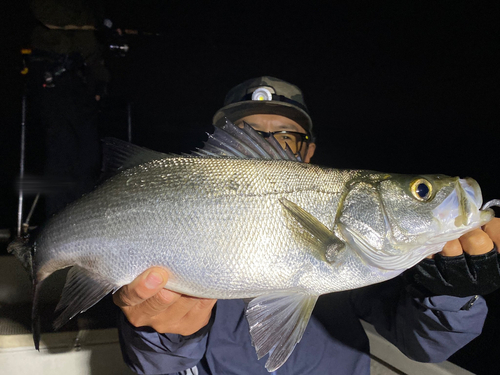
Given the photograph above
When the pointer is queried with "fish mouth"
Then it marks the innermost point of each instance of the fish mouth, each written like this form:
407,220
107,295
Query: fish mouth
462,210
469,198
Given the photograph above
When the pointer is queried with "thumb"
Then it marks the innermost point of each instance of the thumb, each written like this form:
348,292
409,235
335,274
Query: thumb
145,286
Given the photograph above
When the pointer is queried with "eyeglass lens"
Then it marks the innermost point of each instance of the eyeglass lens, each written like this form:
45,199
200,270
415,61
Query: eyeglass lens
293,139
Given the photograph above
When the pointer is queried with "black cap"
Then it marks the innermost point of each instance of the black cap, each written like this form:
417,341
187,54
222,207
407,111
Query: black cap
265,95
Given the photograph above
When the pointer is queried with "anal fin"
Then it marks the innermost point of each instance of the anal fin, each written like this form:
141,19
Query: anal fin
82,290
277,322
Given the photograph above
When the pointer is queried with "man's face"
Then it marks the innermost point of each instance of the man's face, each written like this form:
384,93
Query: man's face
277,123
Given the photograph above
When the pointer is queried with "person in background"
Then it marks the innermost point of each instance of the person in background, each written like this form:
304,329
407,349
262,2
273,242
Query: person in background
427,313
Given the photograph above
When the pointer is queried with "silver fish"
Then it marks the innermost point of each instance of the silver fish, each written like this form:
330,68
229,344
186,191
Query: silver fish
227,225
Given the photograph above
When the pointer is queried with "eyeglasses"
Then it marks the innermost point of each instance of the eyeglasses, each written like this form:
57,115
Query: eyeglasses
294,140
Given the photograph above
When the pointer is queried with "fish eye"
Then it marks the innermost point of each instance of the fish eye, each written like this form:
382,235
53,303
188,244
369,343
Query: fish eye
421,189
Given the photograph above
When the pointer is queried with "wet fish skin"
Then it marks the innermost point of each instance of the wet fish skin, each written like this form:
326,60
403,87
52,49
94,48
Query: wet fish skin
281,231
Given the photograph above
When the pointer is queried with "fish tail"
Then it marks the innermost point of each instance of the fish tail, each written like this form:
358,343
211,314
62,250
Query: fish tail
35,316
25,253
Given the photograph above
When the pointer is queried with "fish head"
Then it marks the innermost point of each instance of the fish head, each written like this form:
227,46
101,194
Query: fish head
394,221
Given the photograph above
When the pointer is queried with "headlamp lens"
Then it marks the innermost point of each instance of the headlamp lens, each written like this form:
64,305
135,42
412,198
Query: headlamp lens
262,94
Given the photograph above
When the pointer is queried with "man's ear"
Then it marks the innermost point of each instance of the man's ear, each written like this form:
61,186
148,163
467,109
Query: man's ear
310,152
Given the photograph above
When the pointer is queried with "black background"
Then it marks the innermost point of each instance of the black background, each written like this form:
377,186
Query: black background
394,86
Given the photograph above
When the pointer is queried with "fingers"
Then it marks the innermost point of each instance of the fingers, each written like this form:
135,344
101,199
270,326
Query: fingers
145,312
145,286
492,229
178,307
185,317
452,249
146,303
476,242
202,307
199,315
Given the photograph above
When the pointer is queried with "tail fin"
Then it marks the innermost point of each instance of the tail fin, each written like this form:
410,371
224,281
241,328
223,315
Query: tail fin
25,253
35,316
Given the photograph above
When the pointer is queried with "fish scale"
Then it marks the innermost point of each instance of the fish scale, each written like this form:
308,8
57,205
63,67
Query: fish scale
278,231
138,192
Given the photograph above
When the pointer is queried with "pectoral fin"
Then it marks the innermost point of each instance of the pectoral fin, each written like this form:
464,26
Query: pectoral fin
329,242
82,290
277,323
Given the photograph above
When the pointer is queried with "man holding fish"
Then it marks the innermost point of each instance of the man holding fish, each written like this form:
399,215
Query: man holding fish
428,315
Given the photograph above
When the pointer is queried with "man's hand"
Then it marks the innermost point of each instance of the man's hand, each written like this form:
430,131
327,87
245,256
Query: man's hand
477,242
465,267
145,303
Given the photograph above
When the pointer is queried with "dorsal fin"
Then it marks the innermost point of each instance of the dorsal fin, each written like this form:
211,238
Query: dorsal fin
119,155
229,140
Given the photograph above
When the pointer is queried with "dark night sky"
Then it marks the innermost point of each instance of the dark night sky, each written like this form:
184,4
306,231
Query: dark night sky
409,87
400,88
395,86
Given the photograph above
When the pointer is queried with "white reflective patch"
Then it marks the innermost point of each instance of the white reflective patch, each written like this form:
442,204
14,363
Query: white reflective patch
262,93
190,371
472,190
447,211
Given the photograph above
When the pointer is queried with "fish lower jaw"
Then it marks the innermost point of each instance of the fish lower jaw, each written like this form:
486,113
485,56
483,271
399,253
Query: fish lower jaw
453,229
473,221
479,218
453,232
486,216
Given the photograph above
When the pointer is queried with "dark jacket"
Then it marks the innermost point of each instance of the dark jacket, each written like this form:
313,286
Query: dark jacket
425,329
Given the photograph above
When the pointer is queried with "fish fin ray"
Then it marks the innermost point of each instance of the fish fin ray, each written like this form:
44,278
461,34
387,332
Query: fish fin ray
223,144
270,145
22,250
268,150
82,290
229,140
277,322
35,315
284,153
330,244
119,155
210,151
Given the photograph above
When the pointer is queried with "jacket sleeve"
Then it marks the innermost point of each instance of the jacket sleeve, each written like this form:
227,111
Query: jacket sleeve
425,329
148,352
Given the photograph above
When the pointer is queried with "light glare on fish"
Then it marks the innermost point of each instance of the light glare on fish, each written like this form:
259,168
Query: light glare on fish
275,230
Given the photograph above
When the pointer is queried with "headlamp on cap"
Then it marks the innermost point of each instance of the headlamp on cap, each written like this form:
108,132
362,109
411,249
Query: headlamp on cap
265,95
262,93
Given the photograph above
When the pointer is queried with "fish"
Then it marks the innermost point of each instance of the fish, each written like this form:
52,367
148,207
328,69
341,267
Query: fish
243,218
